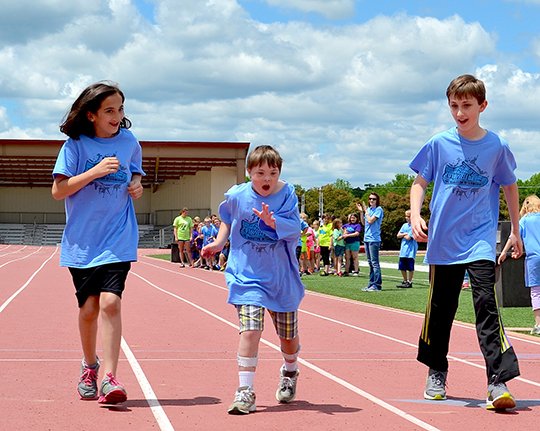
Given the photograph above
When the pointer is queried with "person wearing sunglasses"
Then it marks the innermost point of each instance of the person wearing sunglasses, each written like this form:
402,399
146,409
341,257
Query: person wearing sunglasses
373,216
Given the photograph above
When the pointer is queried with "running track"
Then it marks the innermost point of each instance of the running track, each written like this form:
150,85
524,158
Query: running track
178,360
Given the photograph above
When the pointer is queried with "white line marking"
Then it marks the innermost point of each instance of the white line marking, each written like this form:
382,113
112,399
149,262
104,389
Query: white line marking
376,334
21,258
12,297
315,368
157,410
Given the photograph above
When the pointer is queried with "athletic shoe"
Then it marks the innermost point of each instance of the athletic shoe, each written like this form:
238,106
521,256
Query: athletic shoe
535,330
499,397
355,273
244,401
403,284
286,391
435,385
112,391
87,386
371,289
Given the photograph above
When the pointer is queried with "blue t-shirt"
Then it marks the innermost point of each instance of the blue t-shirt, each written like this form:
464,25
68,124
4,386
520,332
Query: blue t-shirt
467,176
373,230
209,234
408,247
262,268
529,229
101,226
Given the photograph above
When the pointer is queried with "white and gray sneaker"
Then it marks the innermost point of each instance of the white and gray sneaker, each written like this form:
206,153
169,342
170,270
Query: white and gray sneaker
244,401
286,391
435,385
499,397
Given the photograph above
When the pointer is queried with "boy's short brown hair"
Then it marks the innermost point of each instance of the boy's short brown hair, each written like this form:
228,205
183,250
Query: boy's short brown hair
467,85
262,154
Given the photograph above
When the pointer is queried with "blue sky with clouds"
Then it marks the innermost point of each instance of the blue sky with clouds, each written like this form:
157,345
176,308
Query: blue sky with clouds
344,89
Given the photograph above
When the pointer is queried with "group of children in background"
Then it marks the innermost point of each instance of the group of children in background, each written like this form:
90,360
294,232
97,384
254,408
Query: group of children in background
202,233
326,241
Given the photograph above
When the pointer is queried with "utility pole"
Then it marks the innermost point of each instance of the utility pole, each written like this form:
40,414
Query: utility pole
321,203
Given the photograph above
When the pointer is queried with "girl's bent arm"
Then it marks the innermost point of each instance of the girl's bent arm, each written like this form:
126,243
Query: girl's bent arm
66,186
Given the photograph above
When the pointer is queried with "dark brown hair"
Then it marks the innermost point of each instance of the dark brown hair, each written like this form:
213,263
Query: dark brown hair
262,154
76,122
467,85
377,197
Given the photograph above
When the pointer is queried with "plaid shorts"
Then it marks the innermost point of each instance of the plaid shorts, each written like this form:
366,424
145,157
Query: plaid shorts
252,319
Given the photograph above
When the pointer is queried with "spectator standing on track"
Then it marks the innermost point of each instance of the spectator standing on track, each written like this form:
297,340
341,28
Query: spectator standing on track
262,221
468,165
529,229
407,252
182,229
98,173
373,216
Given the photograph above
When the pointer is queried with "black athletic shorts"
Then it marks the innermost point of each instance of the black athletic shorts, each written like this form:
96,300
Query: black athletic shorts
105,278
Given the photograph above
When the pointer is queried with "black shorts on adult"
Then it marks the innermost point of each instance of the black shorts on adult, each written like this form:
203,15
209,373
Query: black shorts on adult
104,278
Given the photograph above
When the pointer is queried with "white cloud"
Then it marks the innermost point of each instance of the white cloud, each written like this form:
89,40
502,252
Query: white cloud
353,102
332,9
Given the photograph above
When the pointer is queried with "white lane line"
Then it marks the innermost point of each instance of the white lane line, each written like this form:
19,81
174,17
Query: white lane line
157,410
376,334
20,258
12,297
315,368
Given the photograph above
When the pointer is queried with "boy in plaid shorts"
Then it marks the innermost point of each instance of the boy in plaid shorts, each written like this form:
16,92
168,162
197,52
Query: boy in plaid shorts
262,222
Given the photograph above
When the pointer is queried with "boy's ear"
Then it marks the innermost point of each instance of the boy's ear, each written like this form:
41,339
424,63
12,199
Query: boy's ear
483,105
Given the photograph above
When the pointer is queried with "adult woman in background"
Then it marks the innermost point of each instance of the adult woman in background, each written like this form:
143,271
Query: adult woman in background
373,216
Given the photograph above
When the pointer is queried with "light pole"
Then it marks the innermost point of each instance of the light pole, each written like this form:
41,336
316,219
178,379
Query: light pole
321,203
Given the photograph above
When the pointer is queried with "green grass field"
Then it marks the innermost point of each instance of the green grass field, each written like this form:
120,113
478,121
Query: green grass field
406,299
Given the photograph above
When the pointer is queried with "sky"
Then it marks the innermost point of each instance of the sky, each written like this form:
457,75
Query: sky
343,89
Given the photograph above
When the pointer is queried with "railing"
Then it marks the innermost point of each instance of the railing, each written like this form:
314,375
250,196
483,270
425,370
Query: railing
162,237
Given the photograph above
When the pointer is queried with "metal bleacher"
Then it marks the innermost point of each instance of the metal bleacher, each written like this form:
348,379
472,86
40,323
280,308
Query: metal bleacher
150,236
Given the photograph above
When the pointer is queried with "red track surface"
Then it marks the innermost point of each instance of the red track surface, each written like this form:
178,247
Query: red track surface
178,360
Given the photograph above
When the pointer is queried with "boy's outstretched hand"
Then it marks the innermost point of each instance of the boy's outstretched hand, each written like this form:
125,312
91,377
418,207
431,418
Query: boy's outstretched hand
210,249
266,216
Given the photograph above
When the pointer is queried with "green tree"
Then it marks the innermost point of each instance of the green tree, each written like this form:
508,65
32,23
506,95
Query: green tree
401,184
342,184
529,187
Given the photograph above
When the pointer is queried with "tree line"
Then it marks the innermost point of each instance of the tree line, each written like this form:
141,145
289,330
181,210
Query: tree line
340,198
